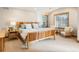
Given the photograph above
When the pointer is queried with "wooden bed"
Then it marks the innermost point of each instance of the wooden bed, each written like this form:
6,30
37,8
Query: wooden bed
33,36
36,36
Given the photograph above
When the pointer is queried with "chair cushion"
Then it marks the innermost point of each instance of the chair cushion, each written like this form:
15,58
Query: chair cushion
68,29
63,33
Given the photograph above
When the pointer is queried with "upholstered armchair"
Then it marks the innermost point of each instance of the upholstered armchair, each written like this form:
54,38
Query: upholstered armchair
67,31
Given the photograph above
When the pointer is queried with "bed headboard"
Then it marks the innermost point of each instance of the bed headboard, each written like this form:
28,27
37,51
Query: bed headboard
18,24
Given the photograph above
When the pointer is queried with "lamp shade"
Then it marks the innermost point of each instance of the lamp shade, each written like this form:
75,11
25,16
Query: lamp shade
13,23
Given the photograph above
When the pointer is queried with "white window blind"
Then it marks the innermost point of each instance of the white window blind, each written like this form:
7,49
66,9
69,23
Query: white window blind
61,21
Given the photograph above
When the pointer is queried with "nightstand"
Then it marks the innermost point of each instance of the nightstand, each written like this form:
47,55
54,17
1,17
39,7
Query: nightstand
12,35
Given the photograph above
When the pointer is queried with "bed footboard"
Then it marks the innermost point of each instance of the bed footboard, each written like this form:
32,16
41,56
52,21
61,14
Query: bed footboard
33,36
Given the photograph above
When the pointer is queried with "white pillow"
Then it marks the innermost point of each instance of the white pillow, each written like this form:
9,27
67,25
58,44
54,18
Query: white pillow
68,29
35,26
22,26
28,26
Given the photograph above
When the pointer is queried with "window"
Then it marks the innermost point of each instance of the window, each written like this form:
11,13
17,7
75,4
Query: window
45,21
62,20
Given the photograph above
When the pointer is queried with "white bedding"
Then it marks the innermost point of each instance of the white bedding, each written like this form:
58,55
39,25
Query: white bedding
24,32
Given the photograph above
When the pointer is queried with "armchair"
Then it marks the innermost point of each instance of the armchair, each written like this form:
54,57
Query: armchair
67,31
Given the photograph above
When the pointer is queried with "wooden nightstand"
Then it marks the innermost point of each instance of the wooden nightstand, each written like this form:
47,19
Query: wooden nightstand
12,35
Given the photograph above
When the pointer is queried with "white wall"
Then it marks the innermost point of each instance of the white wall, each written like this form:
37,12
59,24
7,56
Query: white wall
78,25
11,15
73,18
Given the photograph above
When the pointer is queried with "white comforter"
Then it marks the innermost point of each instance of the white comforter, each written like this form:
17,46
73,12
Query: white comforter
24,32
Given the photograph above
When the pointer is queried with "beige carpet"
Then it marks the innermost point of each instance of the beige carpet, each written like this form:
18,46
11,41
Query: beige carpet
61,44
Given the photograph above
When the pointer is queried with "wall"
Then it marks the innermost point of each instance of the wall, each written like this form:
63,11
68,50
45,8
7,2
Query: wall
78,27
14,15
73,18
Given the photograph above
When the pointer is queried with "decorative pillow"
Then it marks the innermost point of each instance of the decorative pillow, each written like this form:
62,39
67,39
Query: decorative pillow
35,26
28,26
23,26
68,29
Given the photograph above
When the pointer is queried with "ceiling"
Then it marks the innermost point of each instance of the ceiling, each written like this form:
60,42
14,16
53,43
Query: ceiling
41,10
46,10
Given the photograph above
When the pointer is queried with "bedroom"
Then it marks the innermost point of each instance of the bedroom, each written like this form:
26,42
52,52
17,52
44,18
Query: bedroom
42,17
